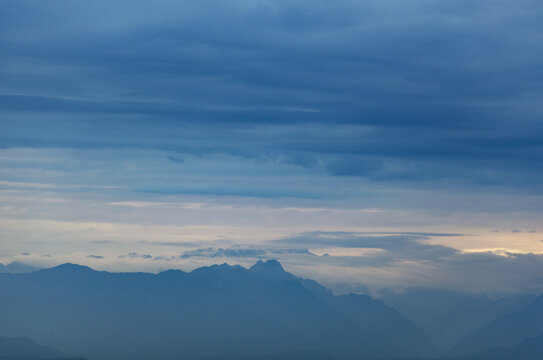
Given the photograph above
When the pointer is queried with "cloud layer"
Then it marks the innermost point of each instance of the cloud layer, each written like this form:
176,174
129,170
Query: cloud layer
388,91
191,127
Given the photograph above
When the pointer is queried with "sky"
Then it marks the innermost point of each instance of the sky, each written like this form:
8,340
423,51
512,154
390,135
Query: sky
366,144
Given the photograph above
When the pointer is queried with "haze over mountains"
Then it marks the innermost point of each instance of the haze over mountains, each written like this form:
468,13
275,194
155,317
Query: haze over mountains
509,330
16,267
226,312
212,310
447,317
389,149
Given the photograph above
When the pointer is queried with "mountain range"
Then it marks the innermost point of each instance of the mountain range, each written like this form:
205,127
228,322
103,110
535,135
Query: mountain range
16,267
447,317
19,348
210,311
517,330
224,312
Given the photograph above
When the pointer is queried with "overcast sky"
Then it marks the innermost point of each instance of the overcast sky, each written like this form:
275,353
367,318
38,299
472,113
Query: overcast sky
367,144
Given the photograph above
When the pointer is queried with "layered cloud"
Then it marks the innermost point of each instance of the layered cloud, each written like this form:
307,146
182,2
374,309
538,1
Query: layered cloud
388,91
393,136
351,261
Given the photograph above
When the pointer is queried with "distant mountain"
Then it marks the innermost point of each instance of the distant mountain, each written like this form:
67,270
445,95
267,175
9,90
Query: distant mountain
391,330
35,358
529,349
22,348
17,267
507,331
448,317
210,311
295,355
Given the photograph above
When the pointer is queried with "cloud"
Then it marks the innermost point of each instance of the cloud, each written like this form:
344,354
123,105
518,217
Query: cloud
135,255
405,246
378,99
237,252
102,242
95,256
407,261
161,258
290,251
352,261
220,252
292,116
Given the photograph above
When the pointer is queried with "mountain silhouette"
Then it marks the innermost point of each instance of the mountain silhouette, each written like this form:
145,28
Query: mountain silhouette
294,355
16,267
528,349
271,270
22,348
507,331
214,310
390,329
447,317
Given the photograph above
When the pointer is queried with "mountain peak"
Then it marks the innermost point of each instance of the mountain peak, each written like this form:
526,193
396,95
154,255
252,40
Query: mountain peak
17,267
219,269
71,267
271,269
269,264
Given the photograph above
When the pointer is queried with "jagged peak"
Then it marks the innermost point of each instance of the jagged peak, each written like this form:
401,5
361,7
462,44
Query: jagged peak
268,264
271,269
224,267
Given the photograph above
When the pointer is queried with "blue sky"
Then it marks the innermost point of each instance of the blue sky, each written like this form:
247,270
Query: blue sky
142,135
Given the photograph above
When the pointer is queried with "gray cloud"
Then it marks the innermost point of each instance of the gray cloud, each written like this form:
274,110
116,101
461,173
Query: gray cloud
290,251
389,91
350,102
237,252
406,261
399,247
220,252
102,242
135,255
161,258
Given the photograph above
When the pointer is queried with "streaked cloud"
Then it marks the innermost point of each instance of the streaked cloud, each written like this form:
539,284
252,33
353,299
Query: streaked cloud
400,138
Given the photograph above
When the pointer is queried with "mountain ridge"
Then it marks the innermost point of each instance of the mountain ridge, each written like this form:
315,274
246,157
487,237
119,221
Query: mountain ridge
16,267
509,330
22,348
210,310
